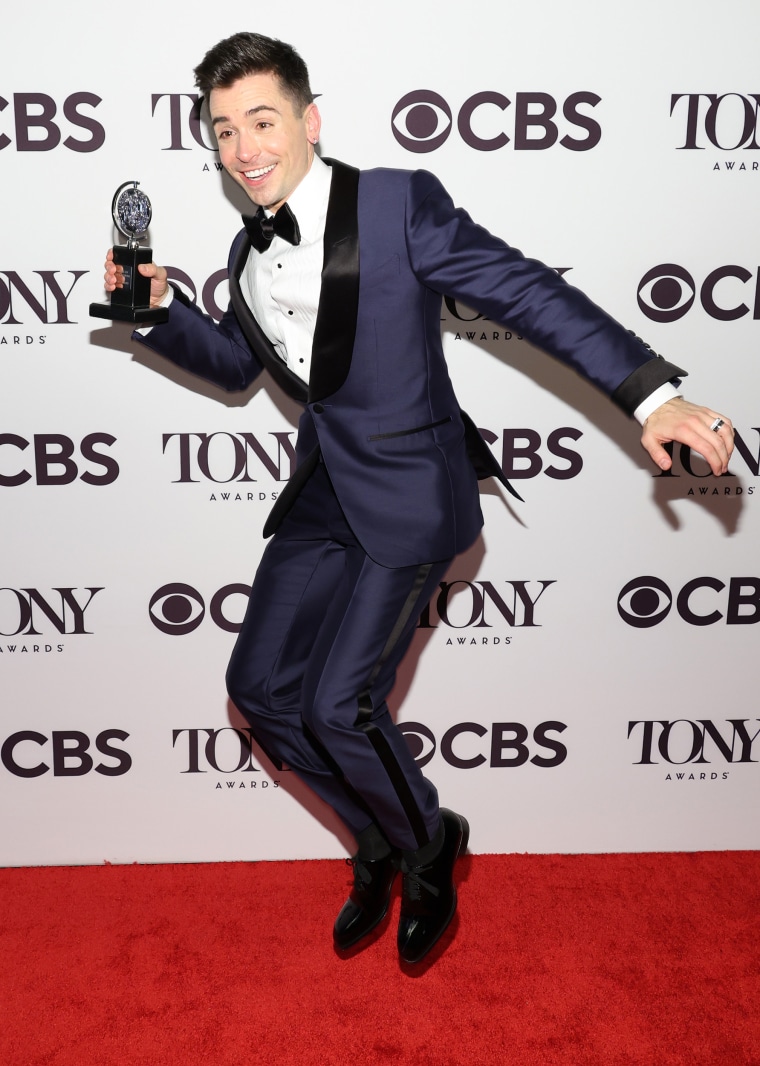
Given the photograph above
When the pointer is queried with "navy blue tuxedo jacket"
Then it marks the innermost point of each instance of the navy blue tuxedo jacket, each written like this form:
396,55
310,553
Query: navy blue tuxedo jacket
379,406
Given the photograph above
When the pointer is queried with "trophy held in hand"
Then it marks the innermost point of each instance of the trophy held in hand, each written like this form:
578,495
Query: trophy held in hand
132,213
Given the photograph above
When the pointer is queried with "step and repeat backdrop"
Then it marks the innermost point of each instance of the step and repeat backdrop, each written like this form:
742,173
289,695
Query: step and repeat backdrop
585,678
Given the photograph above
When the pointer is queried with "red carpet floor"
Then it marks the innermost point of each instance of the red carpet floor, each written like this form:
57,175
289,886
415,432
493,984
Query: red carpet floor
642,960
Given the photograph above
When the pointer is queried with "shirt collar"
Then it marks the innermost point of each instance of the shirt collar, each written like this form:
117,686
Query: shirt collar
308,201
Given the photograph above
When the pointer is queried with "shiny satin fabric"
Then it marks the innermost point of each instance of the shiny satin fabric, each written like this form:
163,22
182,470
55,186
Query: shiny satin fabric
380,406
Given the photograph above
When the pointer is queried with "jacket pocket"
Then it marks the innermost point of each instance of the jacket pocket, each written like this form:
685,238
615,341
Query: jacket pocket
409,432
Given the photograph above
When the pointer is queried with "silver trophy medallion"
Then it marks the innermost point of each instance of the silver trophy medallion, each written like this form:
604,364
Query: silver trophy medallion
131,211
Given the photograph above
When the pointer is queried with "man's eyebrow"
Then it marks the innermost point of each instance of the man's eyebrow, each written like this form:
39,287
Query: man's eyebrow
218,119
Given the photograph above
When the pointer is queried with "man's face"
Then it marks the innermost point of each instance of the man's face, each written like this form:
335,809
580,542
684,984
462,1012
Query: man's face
263,144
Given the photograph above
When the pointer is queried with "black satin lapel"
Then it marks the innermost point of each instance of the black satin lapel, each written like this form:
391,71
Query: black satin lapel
254,334
339,298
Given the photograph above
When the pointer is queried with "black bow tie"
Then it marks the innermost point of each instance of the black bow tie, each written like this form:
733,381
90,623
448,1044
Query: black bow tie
261,229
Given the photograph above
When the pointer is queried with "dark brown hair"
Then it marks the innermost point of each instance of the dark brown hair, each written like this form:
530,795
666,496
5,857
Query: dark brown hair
251,53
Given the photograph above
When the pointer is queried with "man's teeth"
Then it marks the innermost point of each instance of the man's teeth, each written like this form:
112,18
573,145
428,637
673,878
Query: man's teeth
251,174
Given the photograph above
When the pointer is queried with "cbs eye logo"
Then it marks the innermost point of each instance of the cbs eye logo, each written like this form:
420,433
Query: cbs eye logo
644,602
178,609
421,121
666,293
420,740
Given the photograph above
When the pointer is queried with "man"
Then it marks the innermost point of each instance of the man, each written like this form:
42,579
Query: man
336,290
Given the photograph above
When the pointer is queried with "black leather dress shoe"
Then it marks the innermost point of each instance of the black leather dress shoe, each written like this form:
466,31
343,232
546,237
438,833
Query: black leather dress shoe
429,898
368,903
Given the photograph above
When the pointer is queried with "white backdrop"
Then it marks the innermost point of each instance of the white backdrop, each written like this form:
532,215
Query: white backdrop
586,679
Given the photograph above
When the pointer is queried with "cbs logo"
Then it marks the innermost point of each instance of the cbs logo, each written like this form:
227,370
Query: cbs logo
500,744
422,121
69,753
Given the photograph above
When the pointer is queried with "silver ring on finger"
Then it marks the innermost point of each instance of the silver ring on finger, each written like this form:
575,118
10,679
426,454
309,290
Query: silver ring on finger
717,424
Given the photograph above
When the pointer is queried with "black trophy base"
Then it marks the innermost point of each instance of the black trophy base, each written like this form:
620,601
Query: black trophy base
131,303
117,313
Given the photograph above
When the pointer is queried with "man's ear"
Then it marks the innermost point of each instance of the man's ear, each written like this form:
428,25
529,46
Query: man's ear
313,123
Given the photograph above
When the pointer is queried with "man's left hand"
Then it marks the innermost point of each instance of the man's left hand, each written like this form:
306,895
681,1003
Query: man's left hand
686,423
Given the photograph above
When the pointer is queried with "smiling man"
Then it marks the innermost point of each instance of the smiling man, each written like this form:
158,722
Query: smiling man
266,137
336,285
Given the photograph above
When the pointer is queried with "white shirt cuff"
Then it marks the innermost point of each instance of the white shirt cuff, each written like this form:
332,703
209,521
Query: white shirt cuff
145,330
654,400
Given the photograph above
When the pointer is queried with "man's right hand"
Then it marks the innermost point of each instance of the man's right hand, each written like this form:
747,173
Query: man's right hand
114,278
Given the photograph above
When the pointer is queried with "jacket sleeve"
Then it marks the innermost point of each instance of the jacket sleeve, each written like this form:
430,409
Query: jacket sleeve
192,340
453,255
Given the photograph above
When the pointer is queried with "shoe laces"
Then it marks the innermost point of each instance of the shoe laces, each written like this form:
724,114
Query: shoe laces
415,884
362,876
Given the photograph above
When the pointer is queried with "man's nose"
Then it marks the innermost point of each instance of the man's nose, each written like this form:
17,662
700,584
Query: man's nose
247,146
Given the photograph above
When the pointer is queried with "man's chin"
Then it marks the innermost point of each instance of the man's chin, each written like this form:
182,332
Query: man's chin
260,197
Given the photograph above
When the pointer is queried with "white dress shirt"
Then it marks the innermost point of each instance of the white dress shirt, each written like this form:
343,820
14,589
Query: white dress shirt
282,285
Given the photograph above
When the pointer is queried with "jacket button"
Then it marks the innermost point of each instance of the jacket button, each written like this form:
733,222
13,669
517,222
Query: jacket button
318,409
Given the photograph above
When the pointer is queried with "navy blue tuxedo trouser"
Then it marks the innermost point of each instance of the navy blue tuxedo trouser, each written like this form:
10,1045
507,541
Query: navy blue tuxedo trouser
325,630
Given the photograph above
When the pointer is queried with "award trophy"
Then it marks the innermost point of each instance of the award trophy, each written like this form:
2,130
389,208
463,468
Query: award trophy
131,303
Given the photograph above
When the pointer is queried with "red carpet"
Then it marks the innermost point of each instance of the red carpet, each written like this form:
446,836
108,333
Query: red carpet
607,959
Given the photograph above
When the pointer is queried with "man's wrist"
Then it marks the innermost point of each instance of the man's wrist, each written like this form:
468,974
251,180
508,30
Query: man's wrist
165,300
654,400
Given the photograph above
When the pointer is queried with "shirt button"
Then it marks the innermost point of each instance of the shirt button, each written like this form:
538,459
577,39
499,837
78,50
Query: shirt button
318,409
290,312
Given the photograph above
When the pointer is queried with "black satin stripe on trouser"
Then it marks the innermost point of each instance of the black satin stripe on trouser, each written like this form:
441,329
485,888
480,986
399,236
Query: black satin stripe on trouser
366,708
323,619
